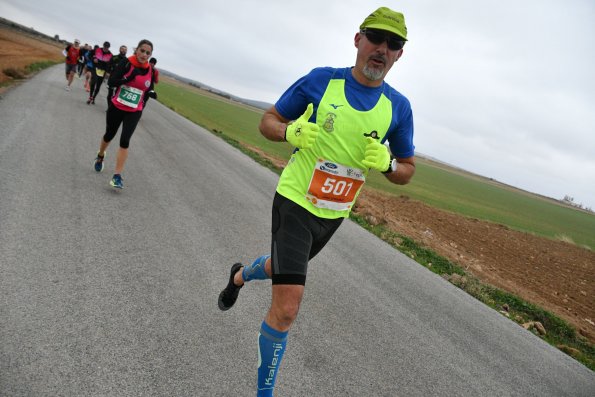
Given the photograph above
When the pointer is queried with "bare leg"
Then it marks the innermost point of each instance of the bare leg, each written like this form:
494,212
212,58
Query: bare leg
284,306
121,158
103,147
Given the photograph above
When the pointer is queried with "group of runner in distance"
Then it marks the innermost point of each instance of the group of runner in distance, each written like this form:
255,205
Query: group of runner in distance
131,82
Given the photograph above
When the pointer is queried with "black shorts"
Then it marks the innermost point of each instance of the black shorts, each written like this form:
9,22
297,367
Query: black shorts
116,117
298,236
70,68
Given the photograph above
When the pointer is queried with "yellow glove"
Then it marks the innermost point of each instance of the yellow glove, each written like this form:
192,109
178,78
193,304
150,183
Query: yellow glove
377,155
301,133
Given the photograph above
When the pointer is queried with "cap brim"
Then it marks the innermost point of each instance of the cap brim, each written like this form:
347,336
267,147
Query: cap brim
388,28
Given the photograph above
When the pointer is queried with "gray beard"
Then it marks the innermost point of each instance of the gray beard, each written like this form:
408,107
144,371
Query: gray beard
373,74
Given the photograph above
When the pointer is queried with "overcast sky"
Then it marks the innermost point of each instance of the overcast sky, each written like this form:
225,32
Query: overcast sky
502,88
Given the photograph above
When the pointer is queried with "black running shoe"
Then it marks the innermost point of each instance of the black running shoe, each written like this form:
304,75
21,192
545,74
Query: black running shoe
229,295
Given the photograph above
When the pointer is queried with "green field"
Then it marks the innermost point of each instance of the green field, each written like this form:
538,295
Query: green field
433,184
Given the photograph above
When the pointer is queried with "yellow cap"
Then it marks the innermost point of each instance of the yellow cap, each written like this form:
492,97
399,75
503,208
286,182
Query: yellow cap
386,19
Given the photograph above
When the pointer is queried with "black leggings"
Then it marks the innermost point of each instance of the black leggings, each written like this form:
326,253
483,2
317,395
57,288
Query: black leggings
96,82
114,118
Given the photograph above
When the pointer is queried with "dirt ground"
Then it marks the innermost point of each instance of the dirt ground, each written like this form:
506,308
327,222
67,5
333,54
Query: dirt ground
555,275
18,50
558,276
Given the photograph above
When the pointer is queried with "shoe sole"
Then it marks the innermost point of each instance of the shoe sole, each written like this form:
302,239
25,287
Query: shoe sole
119,187
234,269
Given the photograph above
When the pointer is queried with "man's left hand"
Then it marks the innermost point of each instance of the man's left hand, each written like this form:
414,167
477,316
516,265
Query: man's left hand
377,155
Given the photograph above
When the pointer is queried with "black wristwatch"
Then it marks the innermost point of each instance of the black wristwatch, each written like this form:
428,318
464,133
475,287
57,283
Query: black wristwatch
392,167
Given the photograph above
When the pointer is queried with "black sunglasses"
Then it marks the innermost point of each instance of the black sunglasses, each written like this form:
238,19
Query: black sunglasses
393,41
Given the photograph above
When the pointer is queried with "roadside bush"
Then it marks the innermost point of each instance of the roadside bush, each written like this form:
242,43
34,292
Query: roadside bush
14,73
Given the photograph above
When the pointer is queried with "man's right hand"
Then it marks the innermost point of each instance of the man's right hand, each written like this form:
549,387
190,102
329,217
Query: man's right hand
301,133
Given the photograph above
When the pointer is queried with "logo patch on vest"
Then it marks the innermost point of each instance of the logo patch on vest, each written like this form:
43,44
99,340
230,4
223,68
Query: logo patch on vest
373,134
329,122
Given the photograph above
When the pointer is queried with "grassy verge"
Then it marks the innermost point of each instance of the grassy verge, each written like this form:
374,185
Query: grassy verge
37,66
23,73
558,333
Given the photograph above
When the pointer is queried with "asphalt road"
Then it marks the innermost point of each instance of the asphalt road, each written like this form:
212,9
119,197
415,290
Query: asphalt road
106,293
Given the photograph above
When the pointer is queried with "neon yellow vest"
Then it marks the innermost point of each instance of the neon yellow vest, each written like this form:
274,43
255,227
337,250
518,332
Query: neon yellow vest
333,166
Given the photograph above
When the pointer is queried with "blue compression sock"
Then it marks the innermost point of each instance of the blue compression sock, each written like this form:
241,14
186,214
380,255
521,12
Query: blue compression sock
271,346
256,270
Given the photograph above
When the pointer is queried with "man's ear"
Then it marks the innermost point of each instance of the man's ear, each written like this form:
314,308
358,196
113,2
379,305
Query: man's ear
356,39
399,55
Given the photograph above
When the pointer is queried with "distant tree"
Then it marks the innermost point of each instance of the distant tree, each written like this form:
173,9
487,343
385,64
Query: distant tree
57,37
570,201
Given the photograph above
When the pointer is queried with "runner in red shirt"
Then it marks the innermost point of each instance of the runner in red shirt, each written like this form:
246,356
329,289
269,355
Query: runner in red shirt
72,54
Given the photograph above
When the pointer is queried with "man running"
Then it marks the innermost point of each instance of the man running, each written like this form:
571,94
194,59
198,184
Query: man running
338,119
153,62
81,60
119,57
89,66
101,61
155,80
72,54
